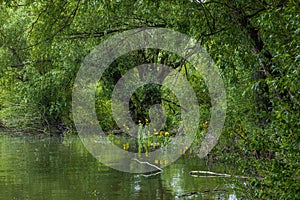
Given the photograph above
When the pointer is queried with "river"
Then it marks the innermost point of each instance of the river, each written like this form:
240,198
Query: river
33,167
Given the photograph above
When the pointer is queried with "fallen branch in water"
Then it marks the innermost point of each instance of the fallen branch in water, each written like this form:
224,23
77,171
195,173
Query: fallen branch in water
154,166
141,162
213,174
153,174
189,194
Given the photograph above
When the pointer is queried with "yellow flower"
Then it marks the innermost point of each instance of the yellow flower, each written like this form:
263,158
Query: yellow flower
156,161
160,133
125,126
167,134
205,125
140,121
126,146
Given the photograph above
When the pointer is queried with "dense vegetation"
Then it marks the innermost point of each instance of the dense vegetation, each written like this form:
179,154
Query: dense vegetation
254,43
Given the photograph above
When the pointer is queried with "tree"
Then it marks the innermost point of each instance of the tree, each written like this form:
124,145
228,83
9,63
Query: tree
255,44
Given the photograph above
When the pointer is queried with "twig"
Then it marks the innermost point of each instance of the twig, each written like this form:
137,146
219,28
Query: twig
189,194
141,162
195,174
148,175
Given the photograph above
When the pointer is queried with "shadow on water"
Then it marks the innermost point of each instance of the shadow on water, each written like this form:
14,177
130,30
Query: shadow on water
61,168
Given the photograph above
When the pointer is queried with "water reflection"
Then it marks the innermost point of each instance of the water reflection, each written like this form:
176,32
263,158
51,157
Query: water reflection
61,168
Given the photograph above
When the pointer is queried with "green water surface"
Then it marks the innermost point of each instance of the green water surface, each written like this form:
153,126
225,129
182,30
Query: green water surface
32,167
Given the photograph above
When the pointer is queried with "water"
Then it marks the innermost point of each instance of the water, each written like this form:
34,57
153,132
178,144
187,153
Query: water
61,168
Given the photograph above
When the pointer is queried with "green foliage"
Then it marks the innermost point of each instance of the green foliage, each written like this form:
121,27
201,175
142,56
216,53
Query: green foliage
254,43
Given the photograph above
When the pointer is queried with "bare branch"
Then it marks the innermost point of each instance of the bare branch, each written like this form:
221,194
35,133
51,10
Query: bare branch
37,19
67,23
211,174
30,62
147,163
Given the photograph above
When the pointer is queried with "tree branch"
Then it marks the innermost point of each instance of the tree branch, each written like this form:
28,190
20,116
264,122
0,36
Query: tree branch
84,35
29,62
154,166
212,174
67,23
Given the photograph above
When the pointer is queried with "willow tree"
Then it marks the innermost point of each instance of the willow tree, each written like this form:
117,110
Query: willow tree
254,43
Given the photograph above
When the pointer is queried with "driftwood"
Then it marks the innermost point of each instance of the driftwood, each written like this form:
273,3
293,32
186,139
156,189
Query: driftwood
160,170
200,174
152,174
154,166
189,194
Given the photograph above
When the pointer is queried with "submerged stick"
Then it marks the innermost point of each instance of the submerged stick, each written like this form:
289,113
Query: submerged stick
147,163
190,194
153,174
195,174
208,172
